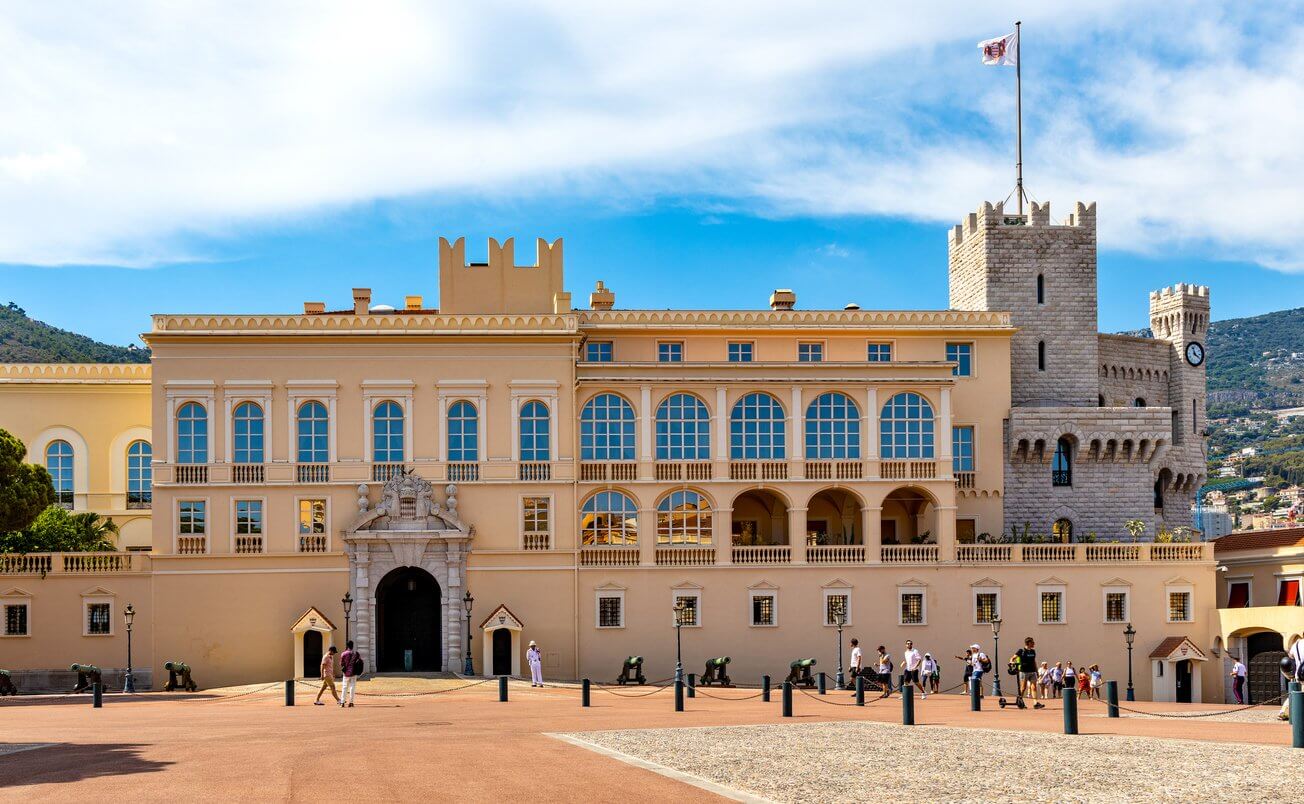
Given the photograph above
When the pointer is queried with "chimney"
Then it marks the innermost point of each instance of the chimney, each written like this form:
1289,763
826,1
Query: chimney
602,298
412,302
782,299
314,308
361,300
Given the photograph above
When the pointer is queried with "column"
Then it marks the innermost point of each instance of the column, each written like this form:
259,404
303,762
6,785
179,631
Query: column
645,470
945,532
455,619
797,534
870,440
944,437
797,444
722,535
720,425
871,524
647,537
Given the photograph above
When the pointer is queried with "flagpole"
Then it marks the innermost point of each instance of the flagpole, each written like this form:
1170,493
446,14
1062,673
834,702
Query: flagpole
1018,113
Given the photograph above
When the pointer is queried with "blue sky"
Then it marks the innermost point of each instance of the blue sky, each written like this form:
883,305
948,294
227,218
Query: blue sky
245,158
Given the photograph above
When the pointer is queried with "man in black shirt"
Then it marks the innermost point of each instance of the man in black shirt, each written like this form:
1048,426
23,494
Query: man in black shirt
1028,671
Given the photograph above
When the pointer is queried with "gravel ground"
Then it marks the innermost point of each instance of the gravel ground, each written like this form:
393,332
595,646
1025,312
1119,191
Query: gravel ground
838,762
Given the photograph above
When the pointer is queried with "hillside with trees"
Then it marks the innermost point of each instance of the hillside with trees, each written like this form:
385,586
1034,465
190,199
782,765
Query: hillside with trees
26,340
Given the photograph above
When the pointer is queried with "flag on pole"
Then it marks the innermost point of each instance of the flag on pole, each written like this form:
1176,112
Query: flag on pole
1003,50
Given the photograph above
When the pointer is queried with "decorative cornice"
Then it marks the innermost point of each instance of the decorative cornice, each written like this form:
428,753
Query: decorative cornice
793,319
124,373
349,324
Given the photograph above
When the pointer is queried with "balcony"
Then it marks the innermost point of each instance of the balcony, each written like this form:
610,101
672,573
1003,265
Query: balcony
246,545
534,470
834,470
43,564
190,474
312,473
384,472
983,553
312,543
835,554
1176,552
604,556
1046,553
602,471
192,545
683,470
966,480
908,554
762,554
685,555
908,470
464,472
758,470
247,473
536,541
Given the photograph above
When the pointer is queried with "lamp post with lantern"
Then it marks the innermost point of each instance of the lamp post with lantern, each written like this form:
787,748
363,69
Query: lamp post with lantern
838,609
129,614
680,609
996,649
467,603
347,602
1129,634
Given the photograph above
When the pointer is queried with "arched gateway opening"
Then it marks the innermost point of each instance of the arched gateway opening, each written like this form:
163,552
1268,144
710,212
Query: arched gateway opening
408,617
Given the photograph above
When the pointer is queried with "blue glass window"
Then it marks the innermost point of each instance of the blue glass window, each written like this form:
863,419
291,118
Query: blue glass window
832,428
192,433
248,517
962,355
598,351
670,352
879,353
247,433
607,429
906,428
58,462
387,433
313,433
740,351
683,429
192,518
810,353
535,424
463,432
140,475
756,428
962,449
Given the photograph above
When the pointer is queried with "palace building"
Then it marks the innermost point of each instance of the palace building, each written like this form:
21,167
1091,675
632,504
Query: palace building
581,471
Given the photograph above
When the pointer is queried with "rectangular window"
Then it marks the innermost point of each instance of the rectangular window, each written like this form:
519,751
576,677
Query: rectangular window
966,531
690,616
1052,607
598,351
810,353
97,619
879,353
740,351
16,619
1238,594
763,609
1179,607
249,517
986,607
1116,607
962,449
1287,593
835,602
912,607
192,517
611,611
535,523
312,517
962,355
670,352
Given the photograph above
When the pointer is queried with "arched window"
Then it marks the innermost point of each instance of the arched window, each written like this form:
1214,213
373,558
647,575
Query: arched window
607,429
387,433
683,429
192,433
463,433
906,427
534,426
58,462
756,429
1100,400
1062,531
1159,494
1041,289
313,432
1138,403
609,517
140,475
832,428
683,517
247,433
1061,473
1041,355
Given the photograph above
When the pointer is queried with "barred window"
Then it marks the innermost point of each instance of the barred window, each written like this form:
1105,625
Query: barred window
1179,607
762,609
1052,607
689,615
1116,607
986,607
16,619
912,608
611,611
97,618
536,514
879,353
833,604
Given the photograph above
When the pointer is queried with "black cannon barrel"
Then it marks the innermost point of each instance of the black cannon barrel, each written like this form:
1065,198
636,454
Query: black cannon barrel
176,667
84,668
802,663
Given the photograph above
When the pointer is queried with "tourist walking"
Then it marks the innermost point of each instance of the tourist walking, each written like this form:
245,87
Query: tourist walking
885,670
1027,656
932,676
912,660
1070,678
857,658
1057,679
327,677
981,664
1238,681
967,658
1043,679
1097,681
1084,682
351,667
535,659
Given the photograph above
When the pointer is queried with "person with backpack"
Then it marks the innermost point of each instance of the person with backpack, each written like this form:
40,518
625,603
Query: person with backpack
327,677
885,670
1027,656
351,665
981,664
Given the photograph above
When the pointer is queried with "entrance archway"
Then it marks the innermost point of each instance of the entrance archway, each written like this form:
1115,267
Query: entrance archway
408,618
311,654
502,652
1264,652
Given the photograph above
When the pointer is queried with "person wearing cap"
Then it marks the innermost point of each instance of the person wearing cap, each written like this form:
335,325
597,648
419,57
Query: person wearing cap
535,658
977,657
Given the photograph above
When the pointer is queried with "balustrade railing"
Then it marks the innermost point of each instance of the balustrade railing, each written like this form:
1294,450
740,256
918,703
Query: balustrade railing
683,470
685,555
462,472
834,470
21,564
384,472
762,554
535,470
190,474
68,563
758,470
908,553
600,471
1113,552
312,473
192,545
1042,553
536,541
601,556
965,480
984,553
312,543
245,545
835,554
247,473
1177,552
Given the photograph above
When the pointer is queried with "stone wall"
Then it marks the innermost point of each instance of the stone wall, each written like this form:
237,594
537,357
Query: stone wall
1132,368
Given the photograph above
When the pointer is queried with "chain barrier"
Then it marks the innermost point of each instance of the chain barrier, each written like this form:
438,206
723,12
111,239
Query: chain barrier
610,689
1181,716
312,686
701,691
220,698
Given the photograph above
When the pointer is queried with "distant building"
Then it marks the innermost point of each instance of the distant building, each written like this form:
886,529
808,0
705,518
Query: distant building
1212,520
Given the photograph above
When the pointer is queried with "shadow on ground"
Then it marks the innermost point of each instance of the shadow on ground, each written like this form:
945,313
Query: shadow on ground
59,763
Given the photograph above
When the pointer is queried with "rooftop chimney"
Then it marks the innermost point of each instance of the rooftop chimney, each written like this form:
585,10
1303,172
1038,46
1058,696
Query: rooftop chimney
782,299
602,298
412,302
313,308
361,300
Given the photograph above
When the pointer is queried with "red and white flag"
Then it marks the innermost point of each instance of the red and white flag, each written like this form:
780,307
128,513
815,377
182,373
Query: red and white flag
1003,50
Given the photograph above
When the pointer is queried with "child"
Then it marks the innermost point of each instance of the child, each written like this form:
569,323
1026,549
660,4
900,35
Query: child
1084,682
1097,680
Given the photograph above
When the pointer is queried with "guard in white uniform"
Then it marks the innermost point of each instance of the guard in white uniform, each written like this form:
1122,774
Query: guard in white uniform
535,658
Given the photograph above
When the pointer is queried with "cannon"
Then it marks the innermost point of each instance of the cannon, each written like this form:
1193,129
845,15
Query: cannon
799,672
182,670
7,684
632,671
88,675
715,673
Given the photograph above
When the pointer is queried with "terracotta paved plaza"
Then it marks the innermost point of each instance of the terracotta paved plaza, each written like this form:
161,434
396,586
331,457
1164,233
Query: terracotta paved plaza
462,745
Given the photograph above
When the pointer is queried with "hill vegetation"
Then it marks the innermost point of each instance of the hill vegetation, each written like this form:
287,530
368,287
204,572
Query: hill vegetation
26,340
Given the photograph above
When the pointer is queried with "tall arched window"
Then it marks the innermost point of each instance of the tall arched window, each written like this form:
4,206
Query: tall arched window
832,428
905,427
607,429
683,429
463,433
756,429
534,427
683,517
387,433
58,462
609,517
140,475
1061,472
192,433
1041,289
313,434
247,433
1062,531
1041,355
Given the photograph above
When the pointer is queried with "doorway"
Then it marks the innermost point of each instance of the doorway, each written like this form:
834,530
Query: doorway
408,619
1264,652
502,652
1182,677
312,654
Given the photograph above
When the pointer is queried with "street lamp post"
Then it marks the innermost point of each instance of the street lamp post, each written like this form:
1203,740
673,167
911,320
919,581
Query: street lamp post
467,603
129,614
347,601
1129,634
996,648
839,619
680,608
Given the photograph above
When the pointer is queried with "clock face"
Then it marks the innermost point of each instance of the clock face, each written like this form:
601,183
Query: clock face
1194,353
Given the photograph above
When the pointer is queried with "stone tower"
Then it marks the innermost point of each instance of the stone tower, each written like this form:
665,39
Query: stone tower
1045,275
1180,316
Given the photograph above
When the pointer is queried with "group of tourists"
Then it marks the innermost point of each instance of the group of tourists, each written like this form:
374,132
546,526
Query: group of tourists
918,669
350,666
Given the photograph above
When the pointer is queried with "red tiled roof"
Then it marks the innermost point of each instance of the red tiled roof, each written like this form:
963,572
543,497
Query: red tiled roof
1165,649
1259,540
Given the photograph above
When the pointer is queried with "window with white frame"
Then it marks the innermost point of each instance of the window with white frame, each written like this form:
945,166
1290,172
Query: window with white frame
962,355
962,448
690,615
140,475
765,608
535,425
1288,592
312,433
58,462
610,608
684,517
757,428
986,605
608,517
249,526
1238,593
1117,605
607,429
810,352
387,433
683,429
670,352
463,433
598,352
192,517
536,522
1050,605
741,351
832,428
312,526
192,433
247,433
837,601
879,353
17,617
911,606
1179,605
905,426
99,617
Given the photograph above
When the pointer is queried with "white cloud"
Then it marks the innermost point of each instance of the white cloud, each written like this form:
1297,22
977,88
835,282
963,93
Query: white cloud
135,128
833,250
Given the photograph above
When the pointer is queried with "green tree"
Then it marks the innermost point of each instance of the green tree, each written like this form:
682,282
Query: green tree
57,530
25,488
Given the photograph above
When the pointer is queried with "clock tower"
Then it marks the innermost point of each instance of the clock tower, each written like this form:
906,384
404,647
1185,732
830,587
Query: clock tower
1180,316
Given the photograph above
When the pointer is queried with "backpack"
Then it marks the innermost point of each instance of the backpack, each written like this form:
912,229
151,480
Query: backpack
357,664
985,662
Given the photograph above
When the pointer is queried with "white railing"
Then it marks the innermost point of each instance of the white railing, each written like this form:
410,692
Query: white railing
1176,552
536,541
598,471
908,553
247,473
68,563
598,556
312,543
762,554
462,472
834,470
192,545
312,473
1042,553
1113,552
535,470
983,553
758,470
190,474
907,470
686,555
383,472
683,470
835,554
245,545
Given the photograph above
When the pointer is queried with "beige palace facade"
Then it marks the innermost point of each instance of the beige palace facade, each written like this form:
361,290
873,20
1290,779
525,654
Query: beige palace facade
579,472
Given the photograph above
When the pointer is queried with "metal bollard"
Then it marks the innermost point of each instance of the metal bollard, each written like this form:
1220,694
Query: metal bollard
1295,686
823,683
692,685
97,695
584,692
1111,697
975,695
679,696
787,699
1070,710
502,689
765,689
289,692
860,690
1297,718
907,706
